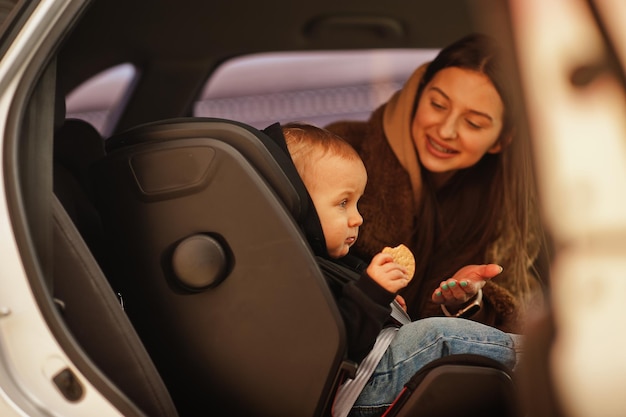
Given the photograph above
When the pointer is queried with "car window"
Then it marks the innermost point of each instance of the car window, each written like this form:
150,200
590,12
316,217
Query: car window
315,87
98,99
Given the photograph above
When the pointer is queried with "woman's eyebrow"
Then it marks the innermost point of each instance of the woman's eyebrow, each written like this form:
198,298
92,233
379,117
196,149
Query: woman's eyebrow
476,112
440,91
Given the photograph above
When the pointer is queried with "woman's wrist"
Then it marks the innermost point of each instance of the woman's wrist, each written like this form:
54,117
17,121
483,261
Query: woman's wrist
470,308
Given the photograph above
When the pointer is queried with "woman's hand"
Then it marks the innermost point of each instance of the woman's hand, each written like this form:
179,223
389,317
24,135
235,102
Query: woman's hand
388,274
464,284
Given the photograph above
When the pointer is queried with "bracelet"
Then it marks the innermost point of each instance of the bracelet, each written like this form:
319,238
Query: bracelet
468,311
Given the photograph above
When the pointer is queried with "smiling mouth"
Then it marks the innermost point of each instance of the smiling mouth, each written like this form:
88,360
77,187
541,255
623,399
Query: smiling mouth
440,148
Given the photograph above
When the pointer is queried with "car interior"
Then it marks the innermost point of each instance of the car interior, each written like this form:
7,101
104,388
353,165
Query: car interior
183,215
188,288
170,255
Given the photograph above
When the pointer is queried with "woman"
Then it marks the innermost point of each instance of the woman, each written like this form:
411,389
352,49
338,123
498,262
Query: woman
448,179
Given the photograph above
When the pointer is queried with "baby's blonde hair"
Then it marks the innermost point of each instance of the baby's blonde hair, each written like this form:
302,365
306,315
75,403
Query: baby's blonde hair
308,143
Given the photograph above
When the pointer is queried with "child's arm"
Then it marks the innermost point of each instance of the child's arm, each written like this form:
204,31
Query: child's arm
365,305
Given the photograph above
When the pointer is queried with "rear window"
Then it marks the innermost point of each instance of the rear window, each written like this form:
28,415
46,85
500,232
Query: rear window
100,99
313,87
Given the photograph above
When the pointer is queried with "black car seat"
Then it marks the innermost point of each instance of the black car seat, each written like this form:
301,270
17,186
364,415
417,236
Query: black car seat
87,303
205,217
77,145
95,318
216,275
463,385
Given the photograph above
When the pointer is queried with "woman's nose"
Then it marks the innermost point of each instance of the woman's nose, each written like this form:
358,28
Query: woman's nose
447,128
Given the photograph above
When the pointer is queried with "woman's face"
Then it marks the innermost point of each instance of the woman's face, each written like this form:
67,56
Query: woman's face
458,120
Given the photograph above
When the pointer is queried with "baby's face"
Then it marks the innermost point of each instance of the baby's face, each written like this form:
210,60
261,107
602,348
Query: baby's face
338,185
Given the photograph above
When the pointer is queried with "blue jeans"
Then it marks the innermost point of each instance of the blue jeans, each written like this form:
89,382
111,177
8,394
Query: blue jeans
421,342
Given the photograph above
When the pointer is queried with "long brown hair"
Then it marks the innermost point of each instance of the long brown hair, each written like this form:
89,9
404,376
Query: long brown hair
486,213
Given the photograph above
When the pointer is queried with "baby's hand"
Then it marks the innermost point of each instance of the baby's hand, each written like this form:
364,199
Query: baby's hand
464,284
388,274
400,300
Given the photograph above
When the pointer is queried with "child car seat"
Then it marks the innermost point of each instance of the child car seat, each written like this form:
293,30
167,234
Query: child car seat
205,217
216,276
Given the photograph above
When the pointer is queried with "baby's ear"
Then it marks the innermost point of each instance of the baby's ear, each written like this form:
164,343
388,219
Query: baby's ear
501,144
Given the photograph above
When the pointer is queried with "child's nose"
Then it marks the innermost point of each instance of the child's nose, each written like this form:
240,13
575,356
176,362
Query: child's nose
356,219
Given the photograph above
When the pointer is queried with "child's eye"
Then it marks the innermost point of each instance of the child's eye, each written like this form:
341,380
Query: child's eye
343,203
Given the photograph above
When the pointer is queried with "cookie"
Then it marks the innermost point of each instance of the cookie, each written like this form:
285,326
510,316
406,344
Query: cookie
403,256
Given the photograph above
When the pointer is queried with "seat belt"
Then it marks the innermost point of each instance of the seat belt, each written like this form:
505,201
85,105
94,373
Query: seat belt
350,390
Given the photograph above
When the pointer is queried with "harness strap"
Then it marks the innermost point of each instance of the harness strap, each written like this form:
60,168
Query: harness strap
350,390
